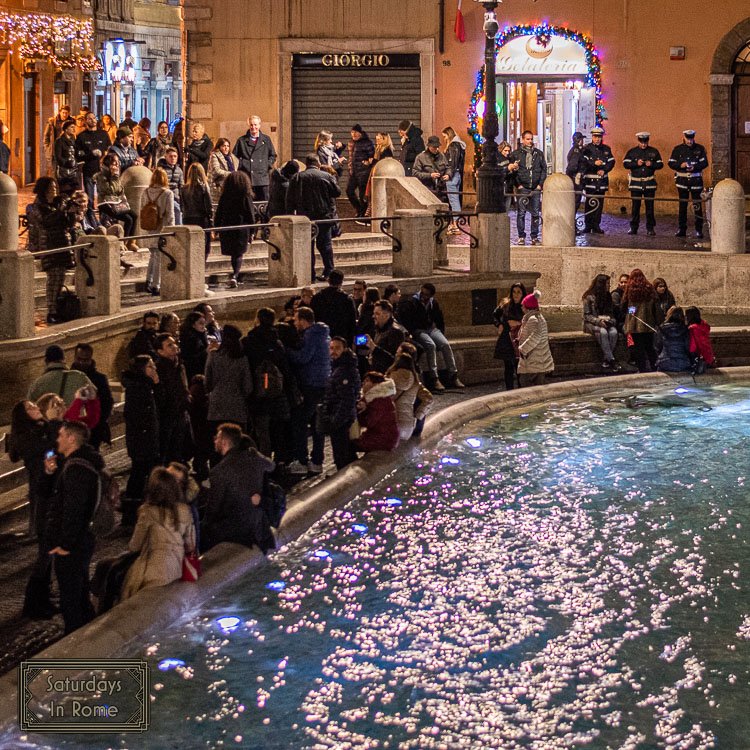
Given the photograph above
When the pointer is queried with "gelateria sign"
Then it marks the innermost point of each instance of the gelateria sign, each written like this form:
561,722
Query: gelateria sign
528,56
355,60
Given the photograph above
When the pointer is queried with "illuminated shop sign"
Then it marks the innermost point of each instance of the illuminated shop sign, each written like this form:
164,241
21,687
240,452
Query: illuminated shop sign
355,60
527,56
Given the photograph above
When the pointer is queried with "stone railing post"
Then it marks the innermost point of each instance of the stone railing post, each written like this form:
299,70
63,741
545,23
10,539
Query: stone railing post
293,267
728,218
16,269
415,229
188,279
492,253
97,276
382,169
558,212
134,181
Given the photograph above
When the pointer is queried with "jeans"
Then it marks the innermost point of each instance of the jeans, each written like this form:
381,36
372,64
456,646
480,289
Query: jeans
324,243
530,200
355,192
303,420
177,214
454,192
153,272
128,218
431,342
72,573
607,340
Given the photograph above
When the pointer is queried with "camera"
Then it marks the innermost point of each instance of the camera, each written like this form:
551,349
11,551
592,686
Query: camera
491,26
361,340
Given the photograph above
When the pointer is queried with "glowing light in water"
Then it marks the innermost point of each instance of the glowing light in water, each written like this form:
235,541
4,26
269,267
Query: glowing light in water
473,442
276,586
449,460
393,501
359,528
322,554
228,624
166,664
680,391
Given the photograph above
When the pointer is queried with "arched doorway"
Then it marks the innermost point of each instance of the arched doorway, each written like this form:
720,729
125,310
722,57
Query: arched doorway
549,82
741,117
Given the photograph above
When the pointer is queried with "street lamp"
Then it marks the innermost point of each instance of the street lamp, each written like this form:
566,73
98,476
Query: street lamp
490,197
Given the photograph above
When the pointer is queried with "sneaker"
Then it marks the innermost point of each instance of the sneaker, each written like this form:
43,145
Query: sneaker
536,241
437,386
616,366
632,231
232,283
606,365
153,291
312,468
521,241
296,467
208,292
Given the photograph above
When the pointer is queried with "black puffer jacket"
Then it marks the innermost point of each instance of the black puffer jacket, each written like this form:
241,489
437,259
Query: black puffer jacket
412,146
361,151
141,417
313,193
65,157
260,344
342,391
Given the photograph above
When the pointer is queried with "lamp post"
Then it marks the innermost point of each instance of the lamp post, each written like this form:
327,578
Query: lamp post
490,183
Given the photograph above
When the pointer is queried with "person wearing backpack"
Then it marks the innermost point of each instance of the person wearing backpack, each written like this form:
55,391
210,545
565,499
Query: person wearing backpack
270,402
157,212
76,486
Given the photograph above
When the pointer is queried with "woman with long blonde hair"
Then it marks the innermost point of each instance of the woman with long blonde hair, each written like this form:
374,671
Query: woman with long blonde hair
329,152
197,208
383,150
157,193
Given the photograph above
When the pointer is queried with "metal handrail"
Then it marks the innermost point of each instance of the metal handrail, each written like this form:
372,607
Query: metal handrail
241,226
153,235
356,218
57,250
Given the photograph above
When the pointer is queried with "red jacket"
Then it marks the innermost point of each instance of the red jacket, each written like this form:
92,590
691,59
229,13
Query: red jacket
700,342
87,412
378,420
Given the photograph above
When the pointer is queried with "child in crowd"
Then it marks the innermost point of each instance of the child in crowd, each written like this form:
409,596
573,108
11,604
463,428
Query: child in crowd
700,337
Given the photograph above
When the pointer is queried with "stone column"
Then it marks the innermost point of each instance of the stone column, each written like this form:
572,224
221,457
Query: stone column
558,212
293,267
415,229
16,270
382,169
492,255
728,218
102,297
135,180
188,279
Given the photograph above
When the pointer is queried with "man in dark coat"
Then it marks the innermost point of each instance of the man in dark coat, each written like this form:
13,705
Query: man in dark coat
66,169
530,168
141,431
91,145
53,131
361,152
69,539
432,169
574,166
313,193
143,341
336,309
388,335
257,156
597,162
412,144
234,512
172,400
84,362
340,401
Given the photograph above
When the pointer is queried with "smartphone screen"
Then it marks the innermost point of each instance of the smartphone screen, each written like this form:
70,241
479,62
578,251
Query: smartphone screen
632,309
361,340
48,455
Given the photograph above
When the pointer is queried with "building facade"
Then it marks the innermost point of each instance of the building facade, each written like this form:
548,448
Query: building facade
303,65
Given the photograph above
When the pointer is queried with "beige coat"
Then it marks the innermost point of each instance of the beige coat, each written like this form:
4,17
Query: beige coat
161,548
533,345
406,393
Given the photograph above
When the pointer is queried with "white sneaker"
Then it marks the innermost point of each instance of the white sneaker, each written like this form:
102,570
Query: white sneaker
208,292
296,468
314,468
232,283
521,241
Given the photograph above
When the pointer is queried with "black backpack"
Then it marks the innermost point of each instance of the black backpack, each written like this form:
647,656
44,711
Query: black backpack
269,381
273,501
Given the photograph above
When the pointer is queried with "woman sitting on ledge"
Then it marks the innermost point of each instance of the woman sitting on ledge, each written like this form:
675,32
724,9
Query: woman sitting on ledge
599,320
377,414
674,347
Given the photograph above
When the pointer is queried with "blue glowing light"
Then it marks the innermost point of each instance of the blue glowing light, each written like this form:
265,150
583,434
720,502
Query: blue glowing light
680,391
322,554
359,528
473,442
449,460
228,624
393,501
276,586
524,416
166,664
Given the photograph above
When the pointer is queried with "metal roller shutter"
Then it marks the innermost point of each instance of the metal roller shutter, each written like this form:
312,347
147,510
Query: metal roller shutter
335,98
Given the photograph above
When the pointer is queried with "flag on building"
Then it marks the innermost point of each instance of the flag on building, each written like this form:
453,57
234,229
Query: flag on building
459,30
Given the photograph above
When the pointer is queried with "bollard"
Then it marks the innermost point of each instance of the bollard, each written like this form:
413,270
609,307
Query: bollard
492,254
293,267
558,212
97,276
415,229
188,279
384,168
134,181
8,213
728,213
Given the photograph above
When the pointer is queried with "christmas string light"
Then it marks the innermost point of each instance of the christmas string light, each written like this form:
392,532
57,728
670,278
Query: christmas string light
543,34
38,36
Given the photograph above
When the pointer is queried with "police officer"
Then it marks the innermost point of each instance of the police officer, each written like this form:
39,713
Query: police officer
643,161
597,162
688,161
574,168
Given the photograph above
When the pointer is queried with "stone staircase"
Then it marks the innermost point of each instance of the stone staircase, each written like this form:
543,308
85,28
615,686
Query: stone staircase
361,254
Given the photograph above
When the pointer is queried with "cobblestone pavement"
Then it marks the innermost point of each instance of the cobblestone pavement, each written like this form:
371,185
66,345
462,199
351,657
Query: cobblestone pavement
21,638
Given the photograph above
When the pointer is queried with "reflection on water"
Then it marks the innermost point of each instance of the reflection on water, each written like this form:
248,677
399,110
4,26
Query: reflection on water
571,577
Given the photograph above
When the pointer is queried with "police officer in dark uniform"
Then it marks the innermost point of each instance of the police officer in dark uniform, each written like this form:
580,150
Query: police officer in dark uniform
574,168
642,162
688,161
597,162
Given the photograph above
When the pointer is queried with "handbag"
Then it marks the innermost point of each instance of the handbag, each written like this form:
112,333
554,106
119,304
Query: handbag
355,430
191,567
68,306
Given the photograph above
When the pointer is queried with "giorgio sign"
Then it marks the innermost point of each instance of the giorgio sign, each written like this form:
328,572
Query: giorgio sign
355,60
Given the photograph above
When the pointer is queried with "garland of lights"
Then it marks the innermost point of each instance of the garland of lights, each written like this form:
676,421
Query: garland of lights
38,35
543,34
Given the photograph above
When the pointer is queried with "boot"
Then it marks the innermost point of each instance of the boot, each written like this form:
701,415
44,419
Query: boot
132,246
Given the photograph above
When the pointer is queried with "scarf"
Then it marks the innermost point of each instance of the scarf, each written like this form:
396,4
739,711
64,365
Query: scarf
529,156
230,163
